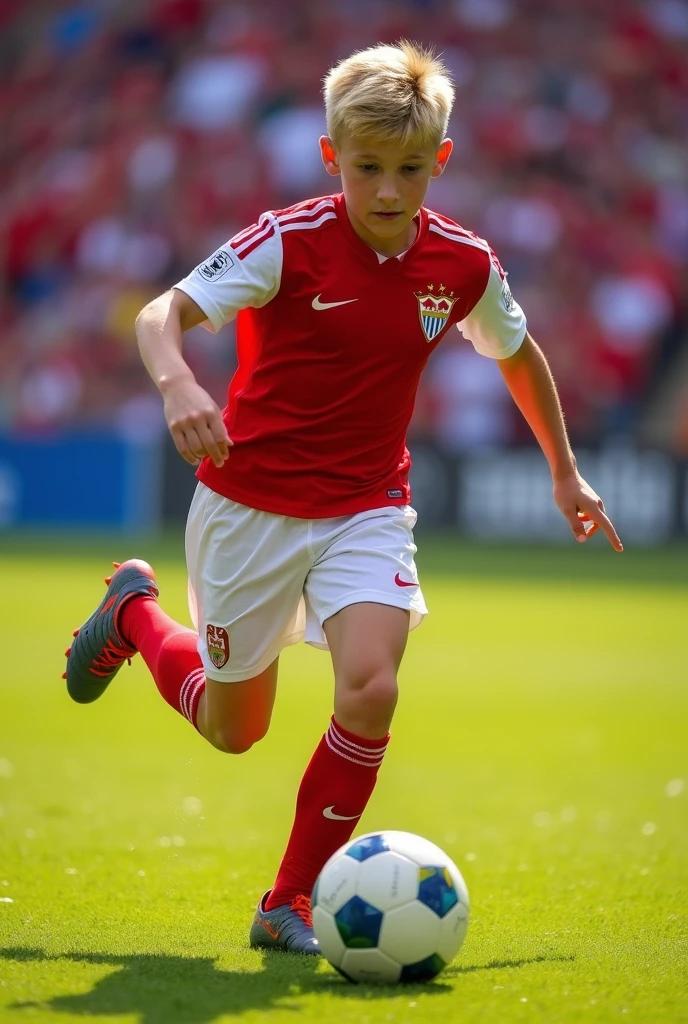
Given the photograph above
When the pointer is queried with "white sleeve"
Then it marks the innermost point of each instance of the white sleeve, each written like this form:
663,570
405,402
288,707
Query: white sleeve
244,272
496,325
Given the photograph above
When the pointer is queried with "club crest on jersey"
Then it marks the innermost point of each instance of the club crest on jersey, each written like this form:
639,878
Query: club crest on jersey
434,307
218,645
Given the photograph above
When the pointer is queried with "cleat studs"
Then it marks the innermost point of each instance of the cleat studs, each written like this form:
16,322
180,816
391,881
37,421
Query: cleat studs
68,652
108,580
75,633
64,675
116,564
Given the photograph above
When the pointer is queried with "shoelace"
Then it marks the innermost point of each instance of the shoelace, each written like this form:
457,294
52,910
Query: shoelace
111,657
301,905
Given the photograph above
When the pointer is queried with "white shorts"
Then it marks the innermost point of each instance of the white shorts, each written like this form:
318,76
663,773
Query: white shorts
259,582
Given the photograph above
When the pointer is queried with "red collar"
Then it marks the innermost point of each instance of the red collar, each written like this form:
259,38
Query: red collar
363,249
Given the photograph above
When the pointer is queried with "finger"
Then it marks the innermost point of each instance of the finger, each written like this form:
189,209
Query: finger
577,524
607,527
189,446
210,445
222,438
194,442
604,523
585,518
182,446
217,425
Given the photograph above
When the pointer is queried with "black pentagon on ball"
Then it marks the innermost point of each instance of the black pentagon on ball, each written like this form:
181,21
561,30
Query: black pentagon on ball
436,890
424,970
368,847
358,924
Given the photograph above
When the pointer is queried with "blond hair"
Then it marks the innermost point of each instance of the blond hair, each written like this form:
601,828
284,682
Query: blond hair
399,93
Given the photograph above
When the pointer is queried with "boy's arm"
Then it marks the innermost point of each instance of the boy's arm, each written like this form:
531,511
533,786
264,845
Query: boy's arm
528,378
194,419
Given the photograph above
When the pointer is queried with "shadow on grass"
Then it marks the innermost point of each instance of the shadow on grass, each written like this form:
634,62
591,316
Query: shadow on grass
499,965
192,990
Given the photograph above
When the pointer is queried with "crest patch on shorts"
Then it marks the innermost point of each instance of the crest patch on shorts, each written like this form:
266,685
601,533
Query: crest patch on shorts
218,645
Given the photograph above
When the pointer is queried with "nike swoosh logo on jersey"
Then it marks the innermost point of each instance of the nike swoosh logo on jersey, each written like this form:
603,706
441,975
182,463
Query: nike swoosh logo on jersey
403,583
329,813
317,304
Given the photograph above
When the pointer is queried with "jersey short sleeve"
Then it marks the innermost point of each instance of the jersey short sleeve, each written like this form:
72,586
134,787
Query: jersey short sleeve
243,273
496,326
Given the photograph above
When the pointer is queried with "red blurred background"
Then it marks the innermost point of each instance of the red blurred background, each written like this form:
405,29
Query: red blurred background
138,136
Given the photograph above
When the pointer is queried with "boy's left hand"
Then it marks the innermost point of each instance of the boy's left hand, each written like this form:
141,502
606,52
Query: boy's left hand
577,501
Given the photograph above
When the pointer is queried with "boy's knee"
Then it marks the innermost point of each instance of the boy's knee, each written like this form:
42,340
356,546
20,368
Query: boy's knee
233,741
373,697
380,694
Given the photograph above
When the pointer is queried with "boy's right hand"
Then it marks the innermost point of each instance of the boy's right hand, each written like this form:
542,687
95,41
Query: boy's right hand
195,423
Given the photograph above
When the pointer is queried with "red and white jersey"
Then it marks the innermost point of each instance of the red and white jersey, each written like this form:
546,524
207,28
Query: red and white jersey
332,339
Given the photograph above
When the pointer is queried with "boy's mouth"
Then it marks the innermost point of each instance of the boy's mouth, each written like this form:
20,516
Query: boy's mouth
387,215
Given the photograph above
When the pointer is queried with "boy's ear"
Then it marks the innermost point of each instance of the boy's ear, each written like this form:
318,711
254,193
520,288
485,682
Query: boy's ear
329,155
443,154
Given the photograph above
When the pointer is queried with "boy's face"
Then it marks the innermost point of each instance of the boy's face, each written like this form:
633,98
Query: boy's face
384,185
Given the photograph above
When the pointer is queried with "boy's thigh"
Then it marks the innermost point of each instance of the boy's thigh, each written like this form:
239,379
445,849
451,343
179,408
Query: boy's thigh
364,638
367,558
246,574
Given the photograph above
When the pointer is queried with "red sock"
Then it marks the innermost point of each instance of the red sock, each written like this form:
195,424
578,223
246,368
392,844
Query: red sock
332,797
169,650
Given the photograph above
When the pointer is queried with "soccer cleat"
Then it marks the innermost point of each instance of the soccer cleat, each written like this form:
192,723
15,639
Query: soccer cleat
289,927
98,651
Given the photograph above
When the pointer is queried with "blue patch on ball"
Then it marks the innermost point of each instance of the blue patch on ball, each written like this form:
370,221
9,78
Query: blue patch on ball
436,890
424,970
358,924
365,848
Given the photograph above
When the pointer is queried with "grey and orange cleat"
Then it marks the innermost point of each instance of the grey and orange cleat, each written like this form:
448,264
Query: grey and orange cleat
98,651
289,927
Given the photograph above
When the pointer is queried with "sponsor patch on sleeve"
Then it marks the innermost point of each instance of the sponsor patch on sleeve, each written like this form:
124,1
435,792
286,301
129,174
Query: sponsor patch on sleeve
216,265
507,297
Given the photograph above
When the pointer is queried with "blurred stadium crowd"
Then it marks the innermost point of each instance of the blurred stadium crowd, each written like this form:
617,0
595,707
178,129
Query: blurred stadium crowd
140,134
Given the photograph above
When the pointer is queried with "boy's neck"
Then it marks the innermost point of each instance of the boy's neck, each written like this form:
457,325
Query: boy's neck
388,247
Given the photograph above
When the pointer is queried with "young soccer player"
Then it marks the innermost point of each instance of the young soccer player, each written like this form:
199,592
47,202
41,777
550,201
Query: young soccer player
301,525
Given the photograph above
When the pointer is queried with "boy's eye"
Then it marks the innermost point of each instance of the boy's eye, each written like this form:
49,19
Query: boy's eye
411,167
367,167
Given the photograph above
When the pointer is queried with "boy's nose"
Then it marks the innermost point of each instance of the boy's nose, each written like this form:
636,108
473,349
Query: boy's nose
387,192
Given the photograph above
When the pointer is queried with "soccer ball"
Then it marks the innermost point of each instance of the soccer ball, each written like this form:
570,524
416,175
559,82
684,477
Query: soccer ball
389,907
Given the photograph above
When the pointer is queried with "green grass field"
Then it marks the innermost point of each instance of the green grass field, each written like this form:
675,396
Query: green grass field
541,739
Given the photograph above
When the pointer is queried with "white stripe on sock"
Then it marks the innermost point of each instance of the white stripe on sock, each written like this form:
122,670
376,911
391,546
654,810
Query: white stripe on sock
186,687
355,748
355,760
192,697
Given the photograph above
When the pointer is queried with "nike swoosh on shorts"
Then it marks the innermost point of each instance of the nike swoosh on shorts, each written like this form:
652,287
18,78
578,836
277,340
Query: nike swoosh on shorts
329,813
317,304
404,583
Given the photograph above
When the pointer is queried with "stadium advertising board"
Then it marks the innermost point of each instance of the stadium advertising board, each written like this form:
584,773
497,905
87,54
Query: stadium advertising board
104,481
80,480
507,495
